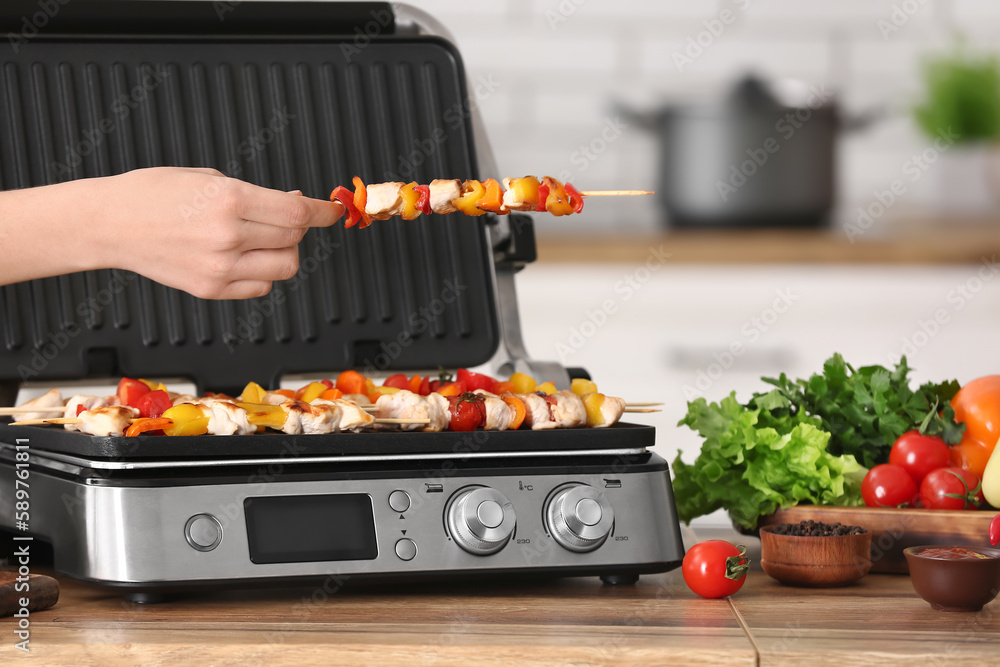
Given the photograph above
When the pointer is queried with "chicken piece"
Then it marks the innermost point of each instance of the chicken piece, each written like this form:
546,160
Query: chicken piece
74,404
293,416
352,416
360,399
407,405
612,409
537,414
110,420
512,200
443,192
568,410
185,398
384,200
499,415
324,417
228,419
50,399
272,398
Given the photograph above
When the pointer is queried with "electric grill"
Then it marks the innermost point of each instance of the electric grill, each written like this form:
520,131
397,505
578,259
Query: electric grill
292,95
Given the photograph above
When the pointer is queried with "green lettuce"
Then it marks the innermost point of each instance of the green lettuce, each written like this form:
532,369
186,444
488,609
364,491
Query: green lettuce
759,457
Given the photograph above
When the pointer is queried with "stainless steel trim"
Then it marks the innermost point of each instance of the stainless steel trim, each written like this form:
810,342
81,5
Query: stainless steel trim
218,463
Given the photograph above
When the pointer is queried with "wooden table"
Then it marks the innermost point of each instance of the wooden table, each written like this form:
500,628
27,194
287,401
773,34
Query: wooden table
879,621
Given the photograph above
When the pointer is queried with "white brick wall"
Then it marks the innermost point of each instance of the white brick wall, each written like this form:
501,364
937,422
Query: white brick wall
565,63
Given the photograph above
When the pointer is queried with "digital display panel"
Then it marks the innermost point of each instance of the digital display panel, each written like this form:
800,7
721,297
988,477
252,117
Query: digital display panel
302,529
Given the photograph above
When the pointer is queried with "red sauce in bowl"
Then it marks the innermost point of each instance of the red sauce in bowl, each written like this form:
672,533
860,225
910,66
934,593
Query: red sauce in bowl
952,553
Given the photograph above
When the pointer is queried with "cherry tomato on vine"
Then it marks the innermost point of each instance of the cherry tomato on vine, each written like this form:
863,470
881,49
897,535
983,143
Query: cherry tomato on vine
887,485
715,568
919,454
951,489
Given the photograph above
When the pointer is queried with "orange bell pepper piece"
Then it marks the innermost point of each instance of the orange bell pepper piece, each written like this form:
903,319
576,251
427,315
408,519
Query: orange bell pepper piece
352,382
557,203
332,394
361,200
140,426
519,411
492,200
287,393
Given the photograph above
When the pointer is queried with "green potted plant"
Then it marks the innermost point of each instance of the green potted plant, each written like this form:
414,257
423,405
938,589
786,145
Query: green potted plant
960,114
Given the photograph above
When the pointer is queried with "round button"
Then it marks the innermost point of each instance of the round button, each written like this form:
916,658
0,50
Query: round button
589,511
399,501
480,520
490,513
406,549
579,517
203,532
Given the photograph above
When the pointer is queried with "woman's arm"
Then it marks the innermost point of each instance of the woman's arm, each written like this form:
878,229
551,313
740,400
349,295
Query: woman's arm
193,229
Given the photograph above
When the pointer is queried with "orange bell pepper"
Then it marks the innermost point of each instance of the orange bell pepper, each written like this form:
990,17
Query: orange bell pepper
287,393
361,200
519,411
415,383
140,426
352,382
492,201
332,394
472,192
505,387
411,199
452,389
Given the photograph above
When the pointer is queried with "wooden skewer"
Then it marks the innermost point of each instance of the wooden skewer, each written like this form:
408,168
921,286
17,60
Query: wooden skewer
71,420
8,412
642,410
616,193
642,405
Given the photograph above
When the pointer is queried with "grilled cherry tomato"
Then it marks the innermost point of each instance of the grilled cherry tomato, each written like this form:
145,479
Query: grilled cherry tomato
153,403
468,412
715,568
887,485
399,381
474,381
130,390
919,454
951,489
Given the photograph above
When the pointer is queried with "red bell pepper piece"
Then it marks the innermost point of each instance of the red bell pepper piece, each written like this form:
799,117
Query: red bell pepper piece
130,390
153,404
399,381
474,381
346,197
575,198
361,200
424,201
543,195
425,386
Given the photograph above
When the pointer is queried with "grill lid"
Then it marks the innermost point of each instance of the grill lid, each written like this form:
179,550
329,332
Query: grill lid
285,112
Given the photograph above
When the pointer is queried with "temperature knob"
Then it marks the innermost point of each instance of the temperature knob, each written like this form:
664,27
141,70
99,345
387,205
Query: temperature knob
579,517
481,520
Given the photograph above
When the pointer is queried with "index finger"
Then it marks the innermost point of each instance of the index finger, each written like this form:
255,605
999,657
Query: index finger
285,209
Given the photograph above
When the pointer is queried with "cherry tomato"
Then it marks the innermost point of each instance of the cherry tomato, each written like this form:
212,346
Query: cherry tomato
978,405
715,568
468,412
919,454
995,530
352,382
399,381
951,489
425,386
971,455
474,381
887,485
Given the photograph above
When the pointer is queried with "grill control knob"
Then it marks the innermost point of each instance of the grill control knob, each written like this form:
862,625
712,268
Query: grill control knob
579,517
480,519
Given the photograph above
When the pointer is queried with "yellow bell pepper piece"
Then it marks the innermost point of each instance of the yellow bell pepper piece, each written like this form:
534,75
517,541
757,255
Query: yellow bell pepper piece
472,192
523,383
592,403
187,418
557,202
525,190
271,416
410,198
153,386
384,391
547,387
253,393
313,391
580,387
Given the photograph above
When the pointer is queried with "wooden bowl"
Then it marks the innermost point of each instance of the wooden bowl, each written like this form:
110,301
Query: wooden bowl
816,562
955,585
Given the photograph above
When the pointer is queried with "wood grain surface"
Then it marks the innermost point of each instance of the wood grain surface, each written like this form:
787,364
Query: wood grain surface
878,621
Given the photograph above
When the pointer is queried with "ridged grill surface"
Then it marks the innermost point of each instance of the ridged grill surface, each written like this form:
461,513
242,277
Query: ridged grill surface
307,116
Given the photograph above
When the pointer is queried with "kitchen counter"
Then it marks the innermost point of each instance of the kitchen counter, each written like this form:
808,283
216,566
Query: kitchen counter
879,621
917,244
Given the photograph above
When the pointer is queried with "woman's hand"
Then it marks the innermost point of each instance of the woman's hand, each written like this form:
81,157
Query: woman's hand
194,229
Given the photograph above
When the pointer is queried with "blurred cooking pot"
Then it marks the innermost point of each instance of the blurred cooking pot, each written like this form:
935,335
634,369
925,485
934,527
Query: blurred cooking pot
762,156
